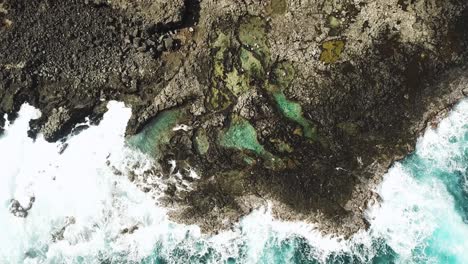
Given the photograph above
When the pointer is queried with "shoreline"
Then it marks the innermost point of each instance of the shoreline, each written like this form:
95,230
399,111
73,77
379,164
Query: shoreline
272,107
364,194
353,224
432,118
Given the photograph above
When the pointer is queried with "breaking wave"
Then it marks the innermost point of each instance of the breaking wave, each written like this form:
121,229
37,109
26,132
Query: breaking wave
86,210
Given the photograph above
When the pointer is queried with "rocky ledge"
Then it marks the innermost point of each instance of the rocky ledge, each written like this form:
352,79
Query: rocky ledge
303,103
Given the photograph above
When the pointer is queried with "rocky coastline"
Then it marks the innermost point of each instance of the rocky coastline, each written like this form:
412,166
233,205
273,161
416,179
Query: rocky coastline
303,103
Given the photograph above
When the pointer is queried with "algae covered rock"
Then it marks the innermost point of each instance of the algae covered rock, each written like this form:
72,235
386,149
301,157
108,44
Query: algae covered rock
331,50
301,103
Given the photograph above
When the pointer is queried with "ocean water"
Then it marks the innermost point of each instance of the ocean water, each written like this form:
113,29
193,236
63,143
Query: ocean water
85,206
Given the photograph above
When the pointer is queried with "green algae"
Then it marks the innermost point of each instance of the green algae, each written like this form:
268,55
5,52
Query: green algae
333,22
277,7
251,64
222,40
252,34
157,133
249,160
236,83
236,64
241,135
218,69
218,99
283,74
335,25
230,82
201,142
294,112
331,50
281,145
221,45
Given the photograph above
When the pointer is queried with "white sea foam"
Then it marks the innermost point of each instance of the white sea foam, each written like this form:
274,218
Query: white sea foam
418,211
76,184
82,183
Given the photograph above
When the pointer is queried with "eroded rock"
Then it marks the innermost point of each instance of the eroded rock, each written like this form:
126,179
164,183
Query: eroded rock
303,103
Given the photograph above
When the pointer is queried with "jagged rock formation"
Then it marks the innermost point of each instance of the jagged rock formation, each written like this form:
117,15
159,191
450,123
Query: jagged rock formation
305,103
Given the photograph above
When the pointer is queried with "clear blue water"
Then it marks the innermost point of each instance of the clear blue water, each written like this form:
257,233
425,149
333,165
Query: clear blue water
422,219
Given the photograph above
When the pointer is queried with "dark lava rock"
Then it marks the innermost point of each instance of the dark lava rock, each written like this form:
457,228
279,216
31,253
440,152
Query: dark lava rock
304,103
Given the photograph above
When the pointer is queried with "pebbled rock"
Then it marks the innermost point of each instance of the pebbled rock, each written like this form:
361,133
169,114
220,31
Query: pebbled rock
156,11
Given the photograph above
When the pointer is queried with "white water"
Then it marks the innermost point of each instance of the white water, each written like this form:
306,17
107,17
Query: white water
76,184
418,218
417,212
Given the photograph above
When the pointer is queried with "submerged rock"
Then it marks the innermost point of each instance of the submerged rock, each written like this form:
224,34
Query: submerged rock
18,210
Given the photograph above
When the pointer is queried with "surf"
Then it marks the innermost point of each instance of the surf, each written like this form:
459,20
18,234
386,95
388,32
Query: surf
88,211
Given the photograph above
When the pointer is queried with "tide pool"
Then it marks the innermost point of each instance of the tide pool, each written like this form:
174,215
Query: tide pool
422,219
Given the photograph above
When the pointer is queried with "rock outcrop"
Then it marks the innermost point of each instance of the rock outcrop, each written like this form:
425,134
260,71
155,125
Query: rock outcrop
304,103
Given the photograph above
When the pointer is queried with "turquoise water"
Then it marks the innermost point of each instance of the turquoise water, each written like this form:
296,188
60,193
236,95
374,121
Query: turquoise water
422,219
437,172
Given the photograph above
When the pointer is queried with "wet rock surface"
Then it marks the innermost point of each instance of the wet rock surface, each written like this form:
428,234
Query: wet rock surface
303,103
18,210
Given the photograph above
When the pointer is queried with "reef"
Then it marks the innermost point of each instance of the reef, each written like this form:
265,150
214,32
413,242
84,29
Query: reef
301,103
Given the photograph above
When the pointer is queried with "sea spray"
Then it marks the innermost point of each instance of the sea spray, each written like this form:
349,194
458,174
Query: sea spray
78,184
421,218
